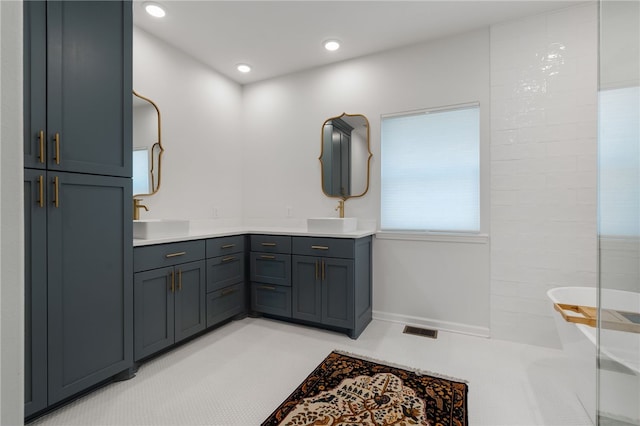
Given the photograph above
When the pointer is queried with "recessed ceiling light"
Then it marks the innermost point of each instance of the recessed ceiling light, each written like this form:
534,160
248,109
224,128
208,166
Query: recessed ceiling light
155,10
243,68
332,45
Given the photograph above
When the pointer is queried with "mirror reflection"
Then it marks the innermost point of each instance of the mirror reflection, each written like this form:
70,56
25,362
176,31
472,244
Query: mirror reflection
147,146
345,156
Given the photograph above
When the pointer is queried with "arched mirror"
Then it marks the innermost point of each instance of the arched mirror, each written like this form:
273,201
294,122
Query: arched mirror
345,156
147,146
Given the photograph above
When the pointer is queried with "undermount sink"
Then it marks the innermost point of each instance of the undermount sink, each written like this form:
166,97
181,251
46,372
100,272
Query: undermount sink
159,228
332,224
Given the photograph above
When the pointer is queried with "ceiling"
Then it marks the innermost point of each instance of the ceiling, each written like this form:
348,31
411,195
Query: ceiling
281,37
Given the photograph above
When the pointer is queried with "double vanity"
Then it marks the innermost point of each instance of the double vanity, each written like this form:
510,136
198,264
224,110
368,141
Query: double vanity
186,284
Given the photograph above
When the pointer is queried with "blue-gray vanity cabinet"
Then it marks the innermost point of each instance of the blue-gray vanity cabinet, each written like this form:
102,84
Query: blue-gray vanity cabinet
331,282
270,272
78,76
169,295
226,271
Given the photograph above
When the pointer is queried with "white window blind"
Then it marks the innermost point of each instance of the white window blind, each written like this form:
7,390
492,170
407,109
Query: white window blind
431,171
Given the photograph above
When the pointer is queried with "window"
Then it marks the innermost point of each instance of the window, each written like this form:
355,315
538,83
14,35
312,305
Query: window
618,165
431,170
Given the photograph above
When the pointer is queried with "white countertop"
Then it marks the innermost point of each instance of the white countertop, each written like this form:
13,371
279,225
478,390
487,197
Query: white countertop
229,231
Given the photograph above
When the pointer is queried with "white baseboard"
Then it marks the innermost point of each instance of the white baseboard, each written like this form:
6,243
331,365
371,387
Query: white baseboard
431,323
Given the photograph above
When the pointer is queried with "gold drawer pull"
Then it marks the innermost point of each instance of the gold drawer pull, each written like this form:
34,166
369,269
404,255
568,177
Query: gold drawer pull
170,255
41,143
267,256
269,244
320,247
57,155
226,246
228,259
228,291
264,287
41,191
56,192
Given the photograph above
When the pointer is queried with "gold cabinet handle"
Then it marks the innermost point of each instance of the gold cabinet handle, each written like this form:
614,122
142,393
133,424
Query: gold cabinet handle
320,247
316,262
323,270
173,281
266,287
41,143
41,191
228,259
179,279
267,256
226,246
56,138
227,291
170,255
269,244
56,192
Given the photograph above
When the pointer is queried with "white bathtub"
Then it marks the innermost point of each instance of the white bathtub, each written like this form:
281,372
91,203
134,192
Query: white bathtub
619,352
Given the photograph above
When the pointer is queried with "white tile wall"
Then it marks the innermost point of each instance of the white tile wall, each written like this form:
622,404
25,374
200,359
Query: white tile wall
543,167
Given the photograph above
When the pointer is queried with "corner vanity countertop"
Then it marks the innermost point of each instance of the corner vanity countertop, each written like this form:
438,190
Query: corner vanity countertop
227,232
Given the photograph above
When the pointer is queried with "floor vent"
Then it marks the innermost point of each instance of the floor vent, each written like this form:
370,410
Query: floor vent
417,331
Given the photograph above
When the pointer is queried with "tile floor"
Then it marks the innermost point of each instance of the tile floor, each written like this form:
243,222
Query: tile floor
239,373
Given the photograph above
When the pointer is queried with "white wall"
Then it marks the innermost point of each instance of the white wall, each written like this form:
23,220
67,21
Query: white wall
11,216
444,284
543,167
201,112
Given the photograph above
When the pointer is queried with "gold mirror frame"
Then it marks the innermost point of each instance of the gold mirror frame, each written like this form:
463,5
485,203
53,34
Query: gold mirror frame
368,160
156,153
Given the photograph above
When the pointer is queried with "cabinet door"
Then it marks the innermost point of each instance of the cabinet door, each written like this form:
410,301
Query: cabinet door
153,311
90,281
89,76
35,83
306,288
190,302
35,292
337,292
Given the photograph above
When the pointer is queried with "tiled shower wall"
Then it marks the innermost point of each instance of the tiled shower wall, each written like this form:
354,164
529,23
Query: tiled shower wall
543,167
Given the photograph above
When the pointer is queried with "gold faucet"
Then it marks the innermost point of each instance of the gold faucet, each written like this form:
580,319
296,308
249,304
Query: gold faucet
340,208
136,208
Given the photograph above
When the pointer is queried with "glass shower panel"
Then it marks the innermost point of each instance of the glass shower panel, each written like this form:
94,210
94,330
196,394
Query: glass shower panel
619,214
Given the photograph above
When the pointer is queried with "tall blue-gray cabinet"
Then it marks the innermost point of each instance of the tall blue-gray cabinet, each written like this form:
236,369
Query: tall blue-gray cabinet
169,295
331,282
89,291
35,292
78,86
78,232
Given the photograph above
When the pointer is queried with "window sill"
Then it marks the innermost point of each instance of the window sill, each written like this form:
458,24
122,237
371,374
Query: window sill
434,236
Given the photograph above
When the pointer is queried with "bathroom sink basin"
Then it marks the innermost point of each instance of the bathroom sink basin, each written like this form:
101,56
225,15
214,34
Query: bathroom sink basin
159,228
332,224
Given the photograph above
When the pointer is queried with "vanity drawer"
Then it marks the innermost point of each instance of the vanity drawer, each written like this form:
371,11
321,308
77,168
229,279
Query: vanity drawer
327,247
271,268
271,243
160,255
225,270
271,299
225,245
225,303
